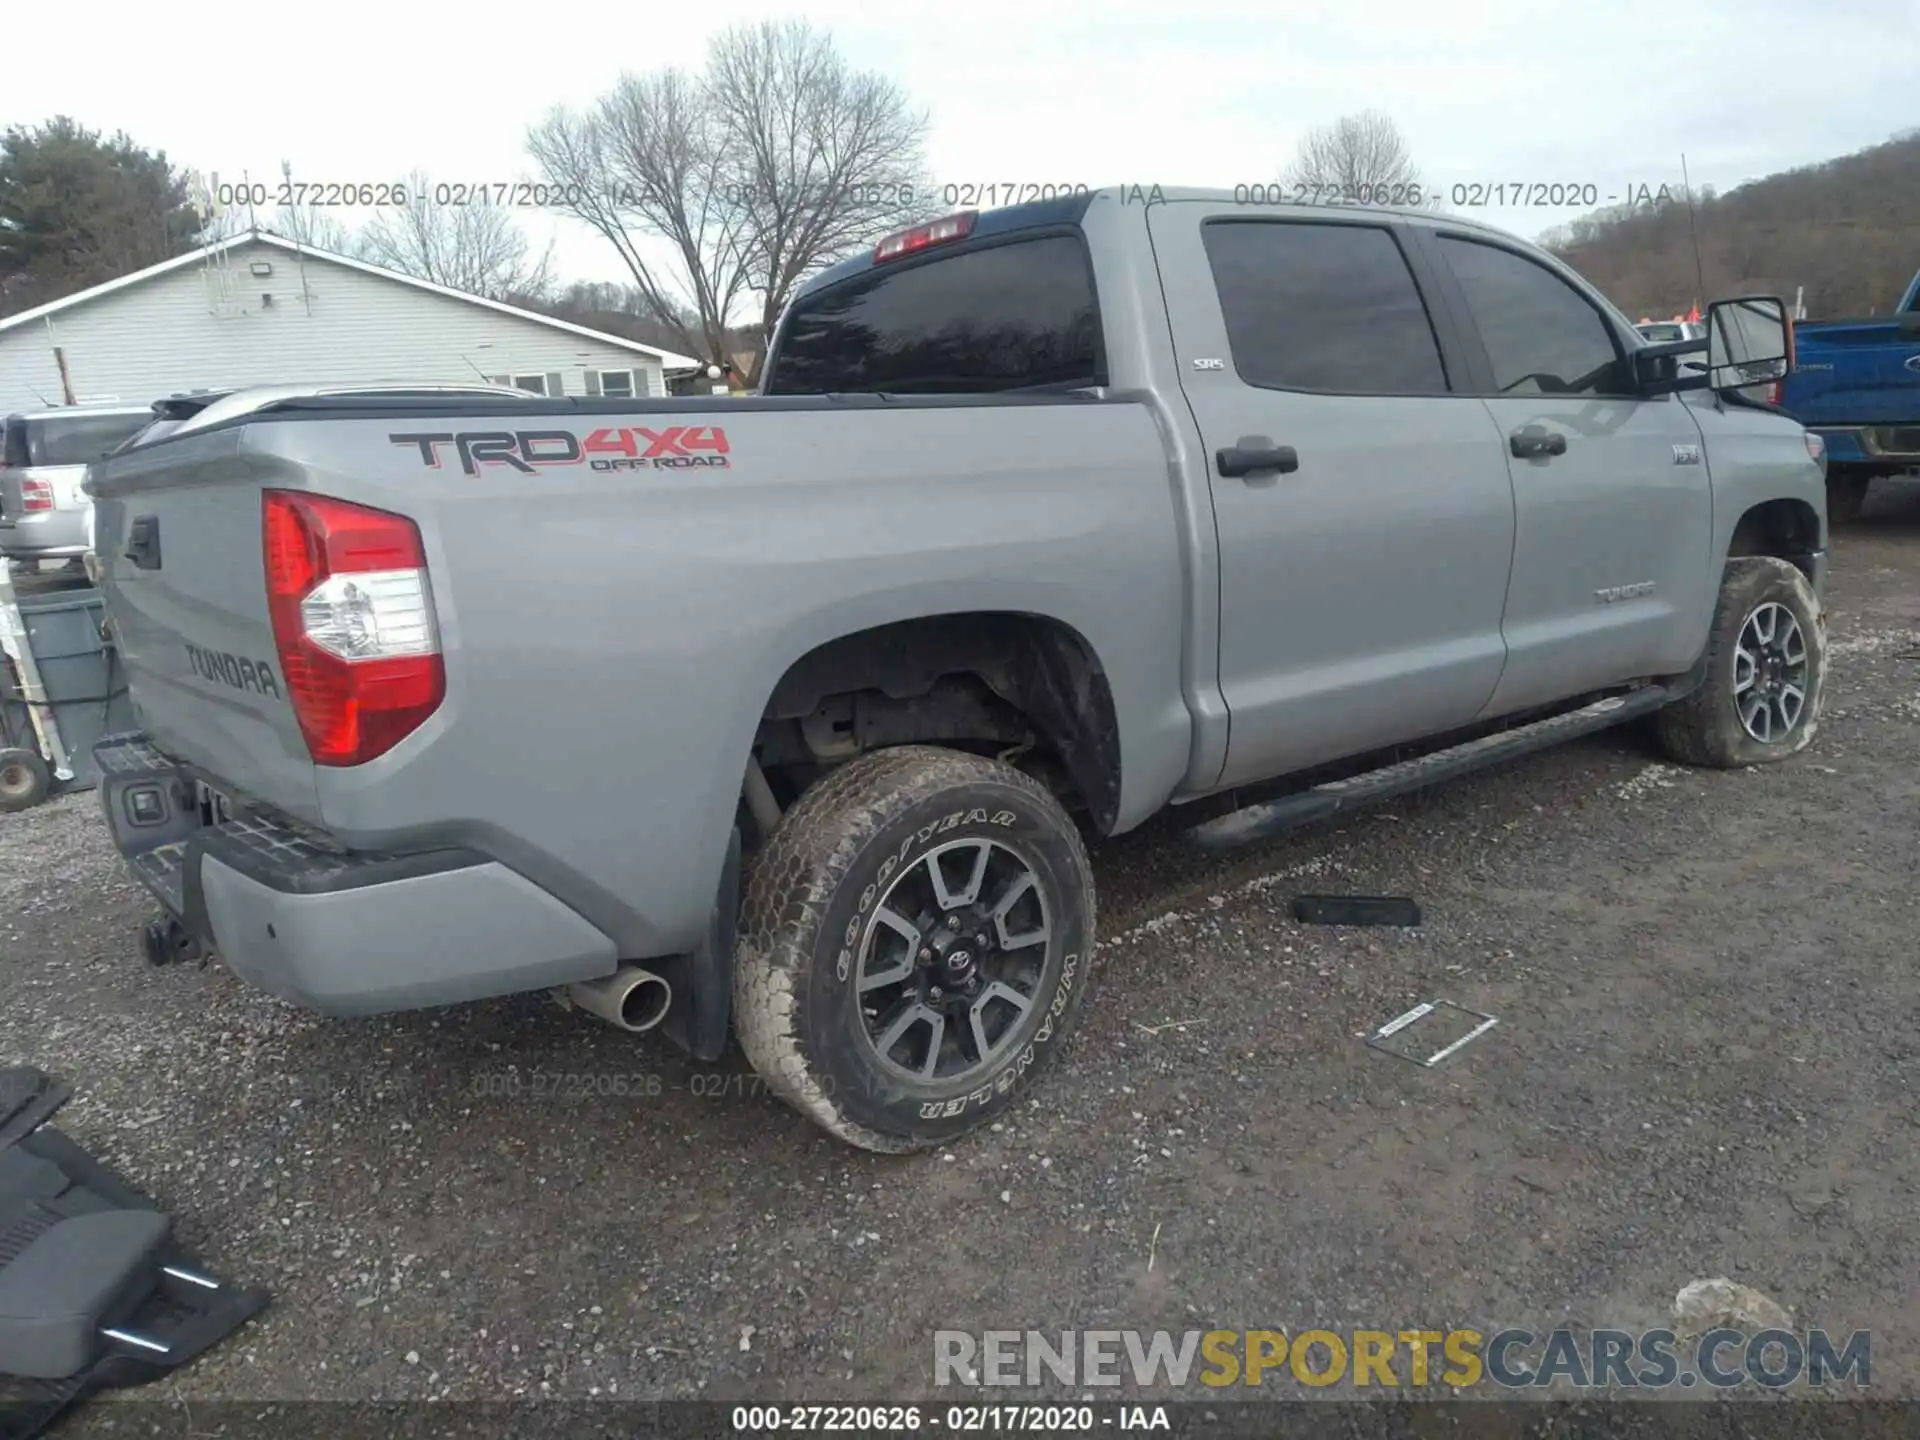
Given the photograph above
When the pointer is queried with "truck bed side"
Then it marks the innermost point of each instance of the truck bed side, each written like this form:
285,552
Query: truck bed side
1858,383
615,630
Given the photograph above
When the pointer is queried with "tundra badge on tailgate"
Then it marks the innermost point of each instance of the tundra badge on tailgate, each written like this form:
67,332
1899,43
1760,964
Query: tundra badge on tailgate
255,676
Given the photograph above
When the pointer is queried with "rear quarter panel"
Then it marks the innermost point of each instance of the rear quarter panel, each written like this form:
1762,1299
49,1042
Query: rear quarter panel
613,638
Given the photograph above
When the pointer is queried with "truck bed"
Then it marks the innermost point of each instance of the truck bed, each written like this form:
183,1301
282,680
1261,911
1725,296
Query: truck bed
574,596
1857,382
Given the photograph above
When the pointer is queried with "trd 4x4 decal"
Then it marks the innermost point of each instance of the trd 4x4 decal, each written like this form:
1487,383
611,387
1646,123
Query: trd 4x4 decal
678,447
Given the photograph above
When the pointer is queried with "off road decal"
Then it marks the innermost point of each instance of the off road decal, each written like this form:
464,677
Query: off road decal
630,447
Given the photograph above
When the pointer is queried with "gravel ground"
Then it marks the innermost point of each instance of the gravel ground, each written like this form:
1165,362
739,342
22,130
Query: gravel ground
1704,1066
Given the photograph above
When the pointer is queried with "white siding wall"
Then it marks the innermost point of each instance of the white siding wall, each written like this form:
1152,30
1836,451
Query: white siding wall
203,328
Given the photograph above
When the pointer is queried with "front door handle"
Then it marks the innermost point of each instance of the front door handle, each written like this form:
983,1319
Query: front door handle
1536,441
143,542
1242,460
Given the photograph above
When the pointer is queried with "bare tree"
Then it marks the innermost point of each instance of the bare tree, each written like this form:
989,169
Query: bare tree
308,225
478,249
1358,158
314,227
721,191
318,226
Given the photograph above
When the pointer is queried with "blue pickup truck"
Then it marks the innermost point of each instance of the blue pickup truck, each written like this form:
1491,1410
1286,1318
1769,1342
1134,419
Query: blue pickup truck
1857,384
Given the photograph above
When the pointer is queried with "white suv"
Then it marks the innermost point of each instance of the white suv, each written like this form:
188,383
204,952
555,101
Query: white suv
43,460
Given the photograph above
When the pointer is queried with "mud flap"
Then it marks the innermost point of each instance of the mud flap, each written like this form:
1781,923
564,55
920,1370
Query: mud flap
94,1292
698,1020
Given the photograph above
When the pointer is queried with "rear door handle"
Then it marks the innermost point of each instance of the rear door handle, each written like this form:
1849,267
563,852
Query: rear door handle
1536,441
1239,460
143,542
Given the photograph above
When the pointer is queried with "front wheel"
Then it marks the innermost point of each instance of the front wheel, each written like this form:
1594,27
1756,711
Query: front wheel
1766,672
914,946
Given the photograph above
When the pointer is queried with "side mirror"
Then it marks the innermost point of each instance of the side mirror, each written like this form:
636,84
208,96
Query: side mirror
1749,342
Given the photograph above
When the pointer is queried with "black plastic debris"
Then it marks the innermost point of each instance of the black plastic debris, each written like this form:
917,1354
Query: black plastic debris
1355,910
94,1292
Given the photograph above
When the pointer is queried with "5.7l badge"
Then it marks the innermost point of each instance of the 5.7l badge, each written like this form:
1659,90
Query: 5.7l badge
1686,454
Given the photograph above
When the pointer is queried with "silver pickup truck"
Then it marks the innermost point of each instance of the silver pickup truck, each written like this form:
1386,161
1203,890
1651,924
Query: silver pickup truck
785,716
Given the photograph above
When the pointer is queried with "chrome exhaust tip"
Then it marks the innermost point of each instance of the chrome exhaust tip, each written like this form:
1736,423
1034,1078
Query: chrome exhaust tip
630,998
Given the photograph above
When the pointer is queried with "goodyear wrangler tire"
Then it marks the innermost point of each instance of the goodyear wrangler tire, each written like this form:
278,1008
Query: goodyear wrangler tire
1766,672
914,947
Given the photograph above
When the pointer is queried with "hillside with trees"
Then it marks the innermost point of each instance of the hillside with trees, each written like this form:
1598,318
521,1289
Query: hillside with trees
1847,230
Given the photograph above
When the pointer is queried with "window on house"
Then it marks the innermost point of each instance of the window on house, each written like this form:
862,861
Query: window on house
616,384
548,384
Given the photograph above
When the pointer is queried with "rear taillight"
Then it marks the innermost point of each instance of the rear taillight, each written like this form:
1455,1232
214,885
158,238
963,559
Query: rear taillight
36,494
353,621
1775,391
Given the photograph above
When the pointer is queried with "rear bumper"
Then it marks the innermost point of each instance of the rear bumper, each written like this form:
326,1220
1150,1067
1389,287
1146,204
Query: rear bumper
341,932
1889,447
45,534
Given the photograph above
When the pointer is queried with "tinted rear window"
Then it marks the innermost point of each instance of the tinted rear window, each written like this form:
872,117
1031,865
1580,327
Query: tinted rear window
1007,317
1322,307
157,429
79,439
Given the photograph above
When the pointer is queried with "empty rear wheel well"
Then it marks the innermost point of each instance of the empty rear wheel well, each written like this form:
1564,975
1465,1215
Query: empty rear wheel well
1785,529
1024,686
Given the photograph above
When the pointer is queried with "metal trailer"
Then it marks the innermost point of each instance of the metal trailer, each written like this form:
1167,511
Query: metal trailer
61,689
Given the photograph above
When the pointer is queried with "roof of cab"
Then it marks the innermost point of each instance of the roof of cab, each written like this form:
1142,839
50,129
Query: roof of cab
1071,209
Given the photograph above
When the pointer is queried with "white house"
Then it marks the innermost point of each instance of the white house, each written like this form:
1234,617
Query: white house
260,310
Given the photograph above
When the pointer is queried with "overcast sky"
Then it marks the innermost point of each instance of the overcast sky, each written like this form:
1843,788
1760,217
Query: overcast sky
1179,92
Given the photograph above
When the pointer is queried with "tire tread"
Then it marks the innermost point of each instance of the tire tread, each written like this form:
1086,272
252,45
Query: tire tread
794,880
1698,730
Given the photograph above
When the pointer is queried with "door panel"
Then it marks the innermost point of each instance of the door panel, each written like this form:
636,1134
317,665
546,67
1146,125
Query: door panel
1361,591
1611,539
1614,515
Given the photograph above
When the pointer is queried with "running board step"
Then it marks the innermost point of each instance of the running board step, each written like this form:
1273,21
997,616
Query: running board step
1258,822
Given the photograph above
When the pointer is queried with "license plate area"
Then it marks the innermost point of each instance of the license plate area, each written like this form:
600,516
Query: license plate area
216,807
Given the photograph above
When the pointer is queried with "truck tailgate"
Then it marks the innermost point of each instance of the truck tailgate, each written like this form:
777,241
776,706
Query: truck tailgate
190,619
1856,373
